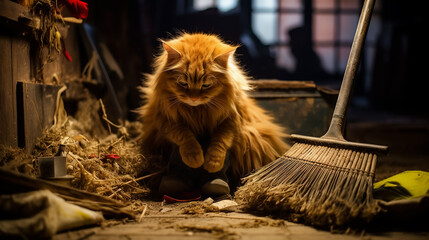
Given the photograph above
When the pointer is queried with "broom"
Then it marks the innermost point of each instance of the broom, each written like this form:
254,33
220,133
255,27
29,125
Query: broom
324,181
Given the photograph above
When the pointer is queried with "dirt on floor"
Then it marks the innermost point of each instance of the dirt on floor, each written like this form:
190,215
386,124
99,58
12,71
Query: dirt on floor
174,221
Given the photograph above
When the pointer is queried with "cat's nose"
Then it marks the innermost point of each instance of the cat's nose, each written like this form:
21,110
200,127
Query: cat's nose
194,99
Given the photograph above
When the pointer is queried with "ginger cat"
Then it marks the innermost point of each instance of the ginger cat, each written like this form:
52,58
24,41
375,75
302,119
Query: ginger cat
196,90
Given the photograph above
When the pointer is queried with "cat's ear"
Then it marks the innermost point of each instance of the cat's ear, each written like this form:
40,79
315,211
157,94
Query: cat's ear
223,58
173,54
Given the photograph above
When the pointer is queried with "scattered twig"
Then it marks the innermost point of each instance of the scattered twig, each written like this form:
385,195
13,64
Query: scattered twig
116,142
76,158
68,19
106,119
143,213
115,193
58,104
124,195
143,177
87,70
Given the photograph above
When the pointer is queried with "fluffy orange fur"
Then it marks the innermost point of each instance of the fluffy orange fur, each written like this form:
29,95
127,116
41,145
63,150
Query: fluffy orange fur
197,90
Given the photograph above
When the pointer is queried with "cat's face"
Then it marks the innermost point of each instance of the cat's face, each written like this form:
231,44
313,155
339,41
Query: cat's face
195,85
196,69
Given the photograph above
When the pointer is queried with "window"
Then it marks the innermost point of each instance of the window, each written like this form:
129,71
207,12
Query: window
329,25
222,5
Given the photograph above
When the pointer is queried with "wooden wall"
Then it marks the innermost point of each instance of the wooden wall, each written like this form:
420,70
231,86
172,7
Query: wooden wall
28,82
14,67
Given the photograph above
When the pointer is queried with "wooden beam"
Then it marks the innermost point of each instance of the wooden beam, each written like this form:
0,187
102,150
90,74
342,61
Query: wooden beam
281,85
16,13
12,182
8,118
37,109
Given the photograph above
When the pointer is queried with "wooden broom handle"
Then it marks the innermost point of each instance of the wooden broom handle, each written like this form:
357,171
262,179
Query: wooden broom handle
336,127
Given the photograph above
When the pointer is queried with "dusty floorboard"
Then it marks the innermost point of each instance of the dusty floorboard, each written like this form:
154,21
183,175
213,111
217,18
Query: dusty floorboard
168,222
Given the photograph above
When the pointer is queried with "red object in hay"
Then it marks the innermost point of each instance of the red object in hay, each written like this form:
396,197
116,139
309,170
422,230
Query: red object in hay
112,156
77,8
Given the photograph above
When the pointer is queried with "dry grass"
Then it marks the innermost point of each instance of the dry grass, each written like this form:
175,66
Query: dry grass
88,161
88,145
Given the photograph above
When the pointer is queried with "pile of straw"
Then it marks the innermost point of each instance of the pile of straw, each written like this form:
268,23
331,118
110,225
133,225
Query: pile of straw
88,145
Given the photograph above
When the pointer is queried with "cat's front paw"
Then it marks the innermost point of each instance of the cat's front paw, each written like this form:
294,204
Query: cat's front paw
192,155
214,160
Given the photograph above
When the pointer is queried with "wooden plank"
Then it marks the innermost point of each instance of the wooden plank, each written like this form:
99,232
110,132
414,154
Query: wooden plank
13,11
38,108
8,129
20,60
20,63
17,13
281,85
11,182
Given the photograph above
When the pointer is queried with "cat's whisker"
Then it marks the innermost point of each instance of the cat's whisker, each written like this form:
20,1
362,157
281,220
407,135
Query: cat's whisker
173,101
211,106
177,102
217,104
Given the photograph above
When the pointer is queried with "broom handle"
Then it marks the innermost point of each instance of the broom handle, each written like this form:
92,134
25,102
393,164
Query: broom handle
336,128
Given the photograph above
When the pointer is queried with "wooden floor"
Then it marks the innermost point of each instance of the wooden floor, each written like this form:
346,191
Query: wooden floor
168,222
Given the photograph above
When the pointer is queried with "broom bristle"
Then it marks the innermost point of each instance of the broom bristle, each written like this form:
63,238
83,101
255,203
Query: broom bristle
320,185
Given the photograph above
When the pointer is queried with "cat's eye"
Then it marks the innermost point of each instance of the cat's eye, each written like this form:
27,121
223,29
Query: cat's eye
206,85
182,84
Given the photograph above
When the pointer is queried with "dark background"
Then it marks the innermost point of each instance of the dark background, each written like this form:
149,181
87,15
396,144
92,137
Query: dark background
399,84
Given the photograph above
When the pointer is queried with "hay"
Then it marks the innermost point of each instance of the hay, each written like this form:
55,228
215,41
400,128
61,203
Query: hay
88,146
199,208
88,161
92,170
17,160
46,34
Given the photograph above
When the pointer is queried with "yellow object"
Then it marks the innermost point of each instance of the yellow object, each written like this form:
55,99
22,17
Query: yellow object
415,182
58,39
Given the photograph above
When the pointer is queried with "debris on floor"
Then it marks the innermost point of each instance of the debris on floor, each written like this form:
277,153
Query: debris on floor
225,204
199,207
